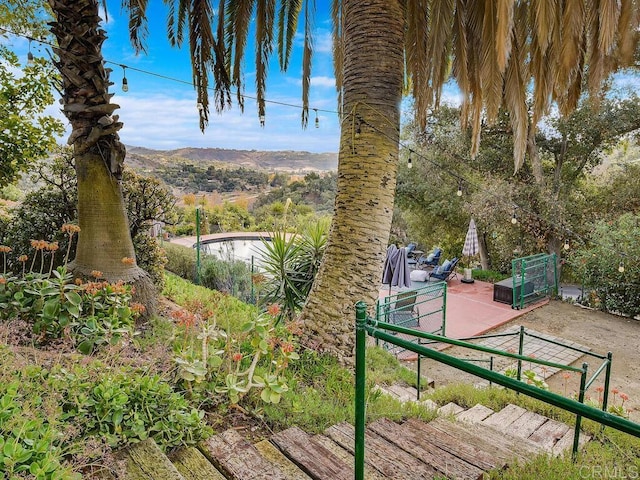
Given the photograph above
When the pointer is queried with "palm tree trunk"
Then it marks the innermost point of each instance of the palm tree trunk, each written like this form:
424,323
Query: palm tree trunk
367,167
104,239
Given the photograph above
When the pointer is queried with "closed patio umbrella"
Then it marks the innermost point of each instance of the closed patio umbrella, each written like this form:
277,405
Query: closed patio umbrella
396,270
470,247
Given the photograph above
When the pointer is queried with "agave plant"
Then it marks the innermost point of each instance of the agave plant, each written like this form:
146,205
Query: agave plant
291,263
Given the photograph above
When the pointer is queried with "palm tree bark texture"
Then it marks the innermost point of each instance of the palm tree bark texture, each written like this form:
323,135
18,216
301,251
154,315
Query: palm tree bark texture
367,167
104,240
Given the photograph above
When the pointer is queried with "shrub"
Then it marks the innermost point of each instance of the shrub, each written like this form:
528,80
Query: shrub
614,246
180,260
150,257
227,276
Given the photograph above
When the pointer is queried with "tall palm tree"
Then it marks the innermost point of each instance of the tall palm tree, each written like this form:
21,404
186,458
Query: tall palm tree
104,240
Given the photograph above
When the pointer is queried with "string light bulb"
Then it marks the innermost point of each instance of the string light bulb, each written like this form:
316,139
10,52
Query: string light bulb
566,244
317,119
262,119
30,59
459,192
125,83
621,267
514,219
410,161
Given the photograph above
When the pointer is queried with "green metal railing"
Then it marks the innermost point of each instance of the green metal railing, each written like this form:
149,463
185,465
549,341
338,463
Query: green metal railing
389,333
534,278
424,307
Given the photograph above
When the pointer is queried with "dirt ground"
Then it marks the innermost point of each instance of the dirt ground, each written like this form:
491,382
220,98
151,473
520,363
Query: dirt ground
599,331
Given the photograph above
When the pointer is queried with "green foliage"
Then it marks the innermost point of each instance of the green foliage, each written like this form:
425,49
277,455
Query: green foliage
613,244
91,315
490,276
196,178
26,134
291,263
180,260
227,276
151,257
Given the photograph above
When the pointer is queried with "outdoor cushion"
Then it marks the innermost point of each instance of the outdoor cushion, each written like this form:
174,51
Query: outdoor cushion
418,275
445,266
430,257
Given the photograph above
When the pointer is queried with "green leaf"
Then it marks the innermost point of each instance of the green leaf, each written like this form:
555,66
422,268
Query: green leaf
73,298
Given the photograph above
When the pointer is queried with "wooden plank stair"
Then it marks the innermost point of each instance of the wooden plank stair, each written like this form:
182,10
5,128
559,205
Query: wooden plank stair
459,444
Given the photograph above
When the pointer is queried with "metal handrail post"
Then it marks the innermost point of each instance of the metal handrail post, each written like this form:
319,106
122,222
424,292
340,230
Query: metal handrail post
520,352
607,379
361,337
418,379
576,434
444,309
491,368
198,245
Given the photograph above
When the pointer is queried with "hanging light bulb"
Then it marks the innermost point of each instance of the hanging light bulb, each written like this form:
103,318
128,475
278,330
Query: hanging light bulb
621,267
125,83
262,119
30,59
566,244
317,119
514,219
410,161
459,192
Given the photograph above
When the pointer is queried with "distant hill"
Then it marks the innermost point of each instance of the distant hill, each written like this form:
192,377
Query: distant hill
146,159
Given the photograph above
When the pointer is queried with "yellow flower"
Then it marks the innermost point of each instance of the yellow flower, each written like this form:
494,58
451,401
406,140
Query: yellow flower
70,228
96,274
5,249
128,260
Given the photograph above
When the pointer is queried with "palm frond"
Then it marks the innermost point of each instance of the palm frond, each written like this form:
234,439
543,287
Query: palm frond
627,31
608,16
572,43
287,26
417,55
265,15
544,18
238,20
338,48
309,13
490,75
442,15
221,64
176,20
138,30
504,12
460,68
201,46
516,100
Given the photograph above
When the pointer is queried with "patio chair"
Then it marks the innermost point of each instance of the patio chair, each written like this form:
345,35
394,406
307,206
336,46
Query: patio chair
430,260
404,312
445,271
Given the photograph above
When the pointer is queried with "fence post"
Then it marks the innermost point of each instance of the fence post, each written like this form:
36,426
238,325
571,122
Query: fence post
607,378
520,352
576,434
361,337
444,309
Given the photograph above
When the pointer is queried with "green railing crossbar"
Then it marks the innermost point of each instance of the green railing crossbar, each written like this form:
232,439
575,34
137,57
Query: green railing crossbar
575,349
596,373
495,335
573,406
373,325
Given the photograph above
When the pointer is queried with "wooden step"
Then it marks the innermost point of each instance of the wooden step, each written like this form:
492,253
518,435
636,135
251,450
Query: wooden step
496,443
504,417
467,445
145,461
269,451
193,465
346,457
416,443
566,442
550,433
237,459
382,455
450,409
475,414
314,459
526,424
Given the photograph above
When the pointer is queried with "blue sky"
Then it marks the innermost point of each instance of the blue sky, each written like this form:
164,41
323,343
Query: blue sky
162,114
